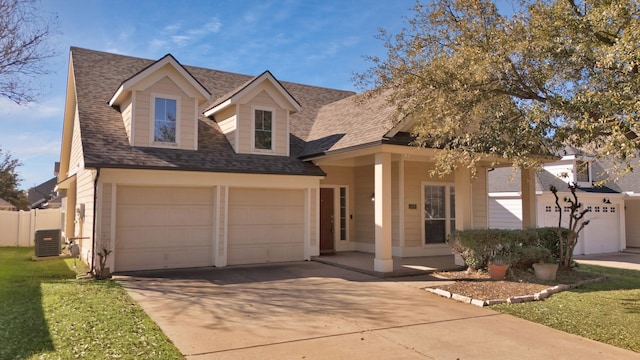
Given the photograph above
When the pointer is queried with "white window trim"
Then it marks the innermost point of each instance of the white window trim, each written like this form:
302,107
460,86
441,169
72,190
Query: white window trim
588,183
152,120
447,210
253,130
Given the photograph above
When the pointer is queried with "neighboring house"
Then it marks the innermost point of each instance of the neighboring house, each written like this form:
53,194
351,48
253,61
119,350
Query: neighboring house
6,206
614,207
175,166
45,196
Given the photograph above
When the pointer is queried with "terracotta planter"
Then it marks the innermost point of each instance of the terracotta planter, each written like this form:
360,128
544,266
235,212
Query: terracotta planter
545,271
498,271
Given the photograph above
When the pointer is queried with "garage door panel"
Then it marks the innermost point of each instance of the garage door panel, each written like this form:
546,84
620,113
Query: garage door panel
265,226
157,195
176,231
246,235
146,259
252,254
269,215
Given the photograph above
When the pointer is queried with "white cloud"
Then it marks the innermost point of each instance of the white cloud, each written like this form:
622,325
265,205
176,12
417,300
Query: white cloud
10,111
180,40
172,27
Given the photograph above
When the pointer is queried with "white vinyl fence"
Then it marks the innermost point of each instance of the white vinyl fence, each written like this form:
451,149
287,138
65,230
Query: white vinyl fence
18,228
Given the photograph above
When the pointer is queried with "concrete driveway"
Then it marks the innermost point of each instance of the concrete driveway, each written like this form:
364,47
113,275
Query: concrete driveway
315,311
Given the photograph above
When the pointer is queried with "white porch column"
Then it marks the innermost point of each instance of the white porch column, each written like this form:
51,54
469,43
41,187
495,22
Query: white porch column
528,188
383,261
464,213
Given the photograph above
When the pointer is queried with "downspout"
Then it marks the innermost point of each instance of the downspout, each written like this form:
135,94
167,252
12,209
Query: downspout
95,201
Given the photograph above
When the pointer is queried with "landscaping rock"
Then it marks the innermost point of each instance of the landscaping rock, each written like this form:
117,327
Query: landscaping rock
520,299
461,298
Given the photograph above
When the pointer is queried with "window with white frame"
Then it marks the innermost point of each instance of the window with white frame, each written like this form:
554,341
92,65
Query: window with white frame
263,130
165,120
439,213
583,172
343,213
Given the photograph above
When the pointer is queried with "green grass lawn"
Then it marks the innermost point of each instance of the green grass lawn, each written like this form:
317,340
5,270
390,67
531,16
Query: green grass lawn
607,311
45,313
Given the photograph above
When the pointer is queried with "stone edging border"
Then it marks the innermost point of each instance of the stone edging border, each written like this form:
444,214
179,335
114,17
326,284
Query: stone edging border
514,299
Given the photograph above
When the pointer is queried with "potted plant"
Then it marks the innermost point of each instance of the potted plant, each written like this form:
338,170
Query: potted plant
546,269
498,266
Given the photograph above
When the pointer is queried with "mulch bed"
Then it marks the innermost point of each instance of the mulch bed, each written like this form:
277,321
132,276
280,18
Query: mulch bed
478,285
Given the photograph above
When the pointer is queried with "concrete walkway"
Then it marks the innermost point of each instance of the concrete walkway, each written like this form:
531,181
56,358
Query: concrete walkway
316,311
622,260
363,262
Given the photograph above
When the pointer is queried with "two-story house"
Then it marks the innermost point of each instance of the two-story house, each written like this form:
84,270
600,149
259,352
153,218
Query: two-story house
172,166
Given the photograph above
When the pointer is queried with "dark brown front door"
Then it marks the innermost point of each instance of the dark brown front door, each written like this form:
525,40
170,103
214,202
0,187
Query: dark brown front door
326,221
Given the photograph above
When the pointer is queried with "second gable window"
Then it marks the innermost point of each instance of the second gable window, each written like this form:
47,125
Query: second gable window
263,130
583,175
165,120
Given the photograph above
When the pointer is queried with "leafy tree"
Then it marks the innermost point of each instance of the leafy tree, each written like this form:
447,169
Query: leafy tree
9,181
515,85
23,48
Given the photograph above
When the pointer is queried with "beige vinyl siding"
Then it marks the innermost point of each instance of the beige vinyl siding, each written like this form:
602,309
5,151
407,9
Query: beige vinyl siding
126,109
280,131
415,174
632,225
479,199
363,207
313,218
395,201
220,213
76,158
84,195
103,227
187,118
227,121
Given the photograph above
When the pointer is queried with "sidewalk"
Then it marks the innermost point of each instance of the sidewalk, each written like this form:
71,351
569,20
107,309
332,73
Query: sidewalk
621,260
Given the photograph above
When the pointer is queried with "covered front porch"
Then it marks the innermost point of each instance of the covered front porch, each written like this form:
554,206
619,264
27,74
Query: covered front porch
363,262
385,209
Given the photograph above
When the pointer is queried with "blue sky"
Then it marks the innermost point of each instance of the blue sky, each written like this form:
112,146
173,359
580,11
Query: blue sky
316,42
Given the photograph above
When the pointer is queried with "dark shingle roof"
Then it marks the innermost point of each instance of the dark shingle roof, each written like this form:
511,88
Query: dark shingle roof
348,123
42,192
104,139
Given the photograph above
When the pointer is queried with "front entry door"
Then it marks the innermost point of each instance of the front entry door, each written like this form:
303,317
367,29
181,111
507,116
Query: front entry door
326,221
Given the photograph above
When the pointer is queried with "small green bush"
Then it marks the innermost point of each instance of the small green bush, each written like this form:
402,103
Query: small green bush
518,248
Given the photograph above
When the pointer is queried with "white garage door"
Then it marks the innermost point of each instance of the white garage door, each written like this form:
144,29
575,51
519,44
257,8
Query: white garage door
265,226
163,227
505,213
602,235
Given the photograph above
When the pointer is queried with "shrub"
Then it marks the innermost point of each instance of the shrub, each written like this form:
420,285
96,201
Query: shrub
518,248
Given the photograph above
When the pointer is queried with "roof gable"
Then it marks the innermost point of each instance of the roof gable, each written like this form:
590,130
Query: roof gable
167,60
238,93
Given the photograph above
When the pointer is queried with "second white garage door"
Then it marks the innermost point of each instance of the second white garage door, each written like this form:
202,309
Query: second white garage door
163,227
265,226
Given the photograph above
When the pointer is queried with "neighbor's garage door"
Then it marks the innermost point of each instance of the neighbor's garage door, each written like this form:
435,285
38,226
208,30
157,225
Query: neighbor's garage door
163,227
265,226
602,235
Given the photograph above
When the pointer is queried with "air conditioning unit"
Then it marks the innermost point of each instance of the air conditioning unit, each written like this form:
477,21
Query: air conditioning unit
48,242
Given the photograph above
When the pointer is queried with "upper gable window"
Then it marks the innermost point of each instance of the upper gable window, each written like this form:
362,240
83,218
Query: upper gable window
165,119
263,130
583,172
